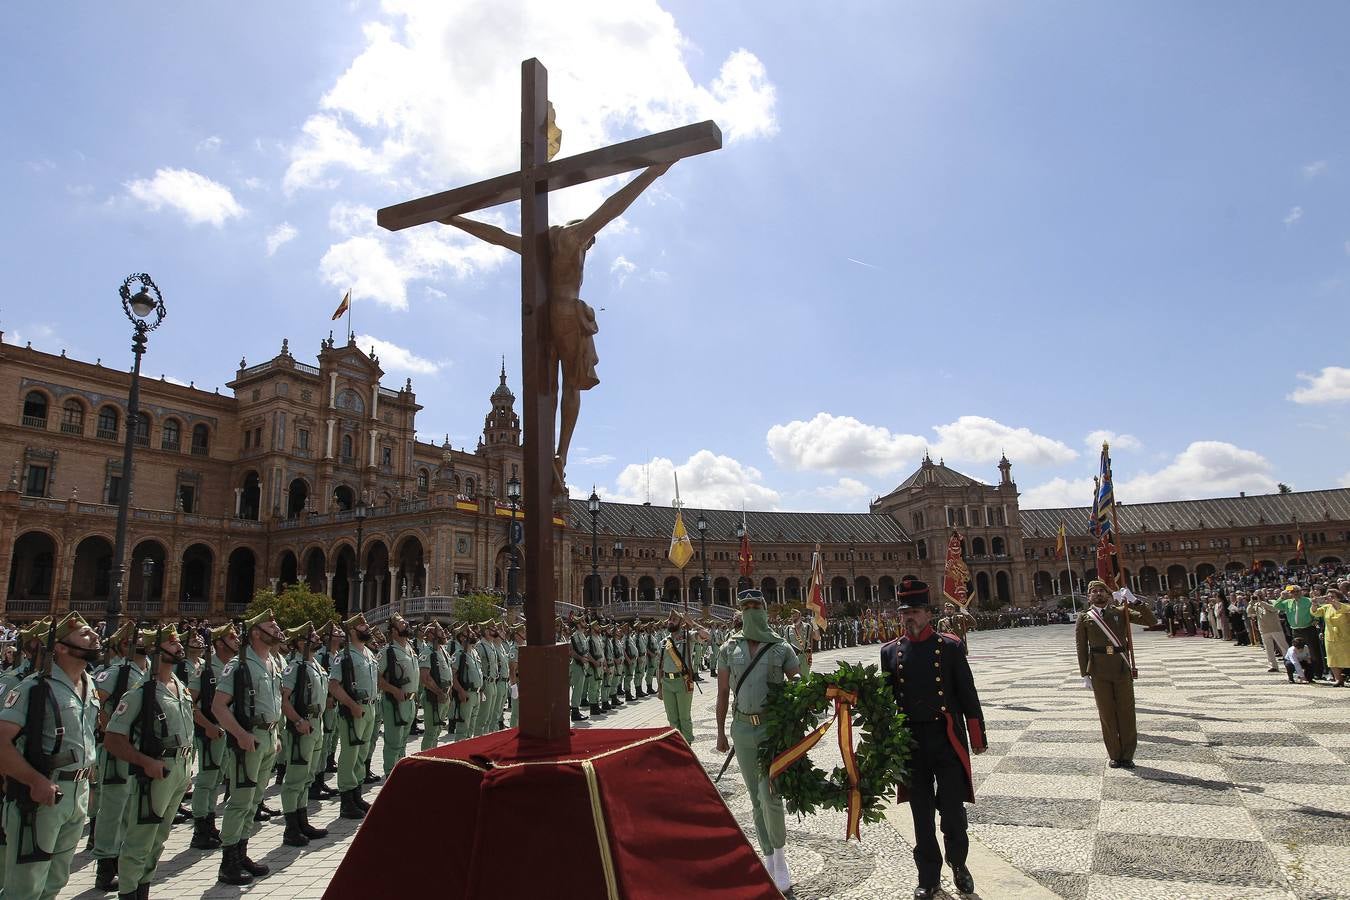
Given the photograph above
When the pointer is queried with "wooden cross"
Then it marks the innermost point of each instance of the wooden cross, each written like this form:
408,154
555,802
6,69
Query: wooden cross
544,712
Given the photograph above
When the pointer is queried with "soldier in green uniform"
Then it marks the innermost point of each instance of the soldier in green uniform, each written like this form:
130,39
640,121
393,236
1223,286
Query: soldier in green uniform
124,673
247,705
595,684
487,665
304,694
151,731
517,640
41,839
469,676
801,634
188,670
209,737
30,648
435,680
397,669
1107,668
676,686
333,640
353,683
751,660
654,639
579,654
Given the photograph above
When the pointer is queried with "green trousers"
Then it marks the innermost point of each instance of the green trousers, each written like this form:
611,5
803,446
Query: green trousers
434,712
678,700
627,684
398,722
248,775
467,714
515,704
576,677
56,830
489,710
114,788
330,724
145,839
209,776
770,819
356,740
298,754
652,674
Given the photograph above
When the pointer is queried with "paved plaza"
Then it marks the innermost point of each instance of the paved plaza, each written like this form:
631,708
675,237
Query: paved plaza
1241,789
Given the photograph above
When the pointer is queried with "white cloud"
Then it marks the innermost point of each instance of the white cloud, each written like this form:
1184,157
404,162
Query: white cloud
42,334
251,183
394,358
1095,439
621,268
830,443
707,480
1204,469
209,145
981,439
1331,385
603,459
1313,169
846,489
436,88
1293,215
377,265
282,234
1344,480
197,197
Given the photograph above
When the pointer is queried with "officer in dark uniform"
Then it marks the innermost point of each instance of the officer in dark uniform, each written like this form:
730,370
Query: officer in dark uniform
935,690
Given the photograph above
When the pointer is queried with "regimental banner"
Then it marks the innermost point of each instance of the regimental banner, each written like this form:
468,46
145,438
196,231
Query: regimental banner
956,577
681,548
1108,565
815,600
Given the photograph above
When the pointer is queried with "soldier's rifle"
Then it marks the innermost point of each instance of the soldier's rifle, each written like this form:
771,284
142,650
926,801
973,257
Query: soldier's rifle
301,703
34,730
349,686
151,744
205,697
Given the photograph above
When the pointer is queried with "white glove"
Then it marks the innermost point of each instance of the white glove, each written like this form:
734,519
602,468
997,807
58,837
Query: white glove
1087,682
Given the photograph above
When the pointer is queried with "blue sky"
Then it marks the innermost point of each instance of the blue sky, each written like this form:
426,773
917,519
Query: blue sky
972,227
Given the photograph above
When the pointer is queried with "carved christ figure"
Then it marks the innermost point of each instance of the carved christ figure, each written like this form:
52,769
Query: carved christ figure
572,320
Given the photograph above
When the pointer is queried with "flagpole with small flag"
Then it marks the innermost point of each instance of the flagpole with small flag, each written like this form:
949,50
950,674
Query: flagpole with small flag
1105,502
744,559
681,547
815,597
345,308
1062,552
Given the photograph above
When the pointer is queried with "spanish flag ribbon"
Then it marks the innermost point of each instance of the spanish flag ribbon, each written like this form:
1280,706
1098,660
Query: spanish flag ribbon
843,714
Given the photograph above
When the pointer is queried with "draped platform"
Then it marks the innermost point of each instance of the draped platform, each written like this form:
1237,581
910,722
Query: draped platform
622,813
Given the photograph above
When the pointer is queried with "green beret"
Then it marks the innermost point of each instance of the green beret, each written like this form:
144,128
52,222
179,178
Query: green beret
224,631
299,632
72,623
260,618
356,622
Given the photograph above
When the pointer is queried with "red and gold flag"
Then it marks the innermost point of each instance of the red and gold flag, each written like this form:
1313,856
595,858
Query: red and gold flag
815,599
1061,543
1107,563
956,577
1298,550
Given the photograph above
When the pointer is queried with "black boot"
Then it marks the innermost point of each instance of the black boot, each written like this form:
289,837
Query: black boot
309,830
274,813
293,836
89,844
105,878
628,696
361,801
314,790
202,839
372,778
964,881
231,870
576,714
257,870
130,896
331,767
184,815
595,710
350,809
261,815
211,824
143,892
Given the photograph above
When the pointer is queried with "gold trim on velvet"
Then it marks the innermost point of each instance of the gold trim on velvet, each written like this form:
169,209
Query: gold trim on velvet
601,837
585,759
454,762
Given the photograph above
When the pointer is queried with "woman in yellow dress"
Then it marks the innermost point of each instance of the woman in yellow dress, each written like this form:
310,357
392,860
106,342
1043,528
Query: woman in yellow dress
1336,613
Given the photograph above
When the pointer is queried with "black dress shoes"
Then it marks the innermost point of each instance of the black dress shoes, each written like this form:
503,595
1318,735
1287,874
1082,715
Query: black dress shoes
925,893
1115,764
1127,764
964,881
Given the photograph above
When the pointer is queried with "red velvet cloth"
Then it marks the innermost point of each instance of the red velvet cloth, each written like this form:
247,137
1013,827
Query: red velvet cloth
498,829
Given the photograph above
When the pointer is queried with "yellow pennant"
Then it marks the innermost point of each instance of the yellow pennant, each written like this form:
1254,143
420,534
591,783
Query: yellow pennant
681,548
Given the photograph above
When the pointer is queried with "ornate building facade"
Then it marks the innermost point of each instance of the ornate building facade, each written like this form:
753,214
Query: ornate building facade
304,469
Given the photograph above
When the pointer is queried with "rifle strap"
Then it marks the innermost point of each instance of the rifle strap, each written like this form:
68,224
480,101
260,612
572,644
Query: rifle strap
746,672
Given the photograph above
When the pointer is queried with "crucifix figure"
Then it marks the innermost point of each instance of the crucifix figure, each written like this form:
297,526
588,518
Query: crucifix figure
572,319
557,330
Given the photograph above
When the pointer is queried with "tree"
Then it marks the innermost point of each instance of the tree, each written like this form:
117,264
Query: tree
294,606
1284,488
475,608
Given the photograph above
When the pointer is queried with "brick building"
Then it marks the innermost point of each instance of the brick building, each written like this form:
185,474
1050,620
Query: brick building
262,486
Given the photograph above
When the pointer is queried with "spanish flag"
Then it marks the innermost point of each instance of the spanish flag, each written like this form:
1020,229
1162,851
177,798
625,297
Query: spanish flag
1298,549
345,305
1061,543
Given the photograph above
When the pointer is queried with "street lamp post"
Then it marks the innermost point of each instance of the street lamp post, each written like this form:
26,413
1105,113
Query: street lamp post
513,495
618,569
145,310
703,598
592,600
360,513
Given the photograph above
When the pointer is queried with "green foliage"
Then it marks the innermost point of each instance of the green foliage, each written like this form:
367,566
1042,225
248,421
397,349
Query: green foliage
794,708
295,605
475,608
1066,603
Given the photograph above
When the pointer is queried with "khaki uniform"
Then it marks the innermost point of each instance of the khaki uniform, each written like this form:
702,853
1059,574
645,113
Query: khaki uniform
1112,674
248,772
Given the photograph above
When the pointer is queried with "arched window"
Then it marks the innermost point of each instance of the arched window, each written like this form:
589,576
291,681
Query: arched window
469,485
142,428
201,440
423,481
35,409
350,400
996,545
72,417
106,426
171,435
347,447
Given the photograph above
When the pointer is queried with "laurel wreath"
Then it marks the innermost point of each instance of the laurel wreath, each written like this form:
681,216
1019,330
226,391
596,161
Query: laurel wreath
794,709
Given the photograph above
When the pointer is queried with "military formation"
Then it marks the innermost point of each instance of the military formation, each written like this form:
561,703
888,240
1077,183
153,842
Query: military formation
155,727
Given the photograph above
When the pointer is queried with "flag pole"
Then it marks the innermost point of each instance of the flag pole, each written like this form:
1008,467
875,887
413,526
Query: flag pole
1115,528
350,332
